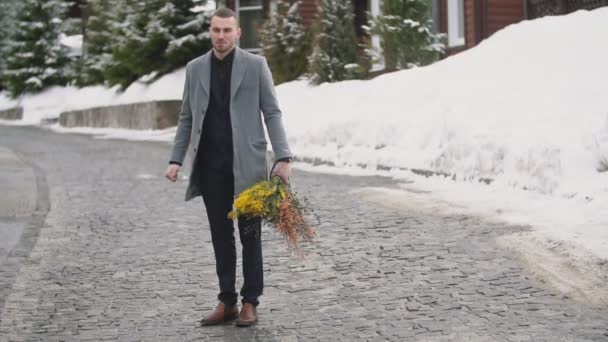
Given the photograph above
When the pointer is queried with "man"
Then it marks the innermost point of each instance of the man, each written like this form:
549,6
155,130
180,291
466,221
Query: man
221,127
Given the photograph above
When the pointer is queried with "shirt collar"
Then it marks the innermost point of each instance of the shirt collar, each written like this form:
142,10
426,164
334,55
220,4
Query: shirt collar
227,59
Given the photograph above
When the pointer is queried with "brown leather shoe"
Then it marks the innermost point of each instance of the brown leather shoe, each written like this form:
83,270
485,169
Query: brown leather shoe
221,314
248,315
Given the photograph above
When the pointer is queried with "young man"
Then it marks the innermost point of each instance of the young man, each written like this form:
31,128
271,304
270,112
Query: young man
221,126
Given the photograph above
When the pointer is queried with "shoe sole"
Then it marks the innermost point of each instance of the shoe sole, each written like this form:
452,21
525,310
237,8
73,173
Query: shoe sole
245,324
229,319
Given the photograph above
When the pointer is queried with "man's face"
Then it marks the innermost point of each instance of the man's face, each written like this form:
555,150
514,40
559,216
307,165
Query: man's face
224,33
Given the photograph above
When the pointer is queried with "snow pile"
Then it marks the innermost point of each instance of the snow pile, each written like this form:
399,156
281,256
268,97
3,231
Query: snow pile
73,43
526,108
53,101
6,102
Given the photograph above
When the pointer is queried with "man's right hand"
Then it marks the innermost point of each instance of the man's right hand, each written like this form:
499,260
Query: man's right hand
171,172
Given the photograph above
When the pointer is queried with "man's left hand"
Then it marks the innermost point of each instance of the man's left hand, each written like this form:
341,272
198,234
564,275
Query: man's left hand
283,170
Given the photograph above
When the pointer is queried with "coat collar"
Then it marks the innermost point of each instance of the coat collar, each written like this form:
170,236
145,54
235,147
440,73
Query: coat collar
239,66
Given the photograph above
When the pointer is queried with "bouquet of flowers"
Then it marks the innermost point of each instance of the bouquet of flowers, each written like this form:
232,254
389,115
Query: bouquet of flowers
278,206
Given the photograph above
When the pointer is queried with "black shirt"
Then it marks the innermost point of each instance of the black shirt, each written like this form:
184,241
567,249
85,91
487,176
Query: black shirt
221,71
216,142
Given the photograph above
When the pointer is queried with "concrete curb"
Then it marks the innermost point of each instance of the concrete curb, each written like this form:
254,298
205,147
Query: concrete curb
143,115
420,172
15,113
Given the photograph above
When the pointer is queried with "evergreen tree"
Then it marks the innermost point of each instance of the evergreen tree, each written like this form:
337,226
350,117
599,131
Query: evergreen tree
405,30
335,54
73,25
187,33
285,44
101,27
129,51
35,58
8,12
157,37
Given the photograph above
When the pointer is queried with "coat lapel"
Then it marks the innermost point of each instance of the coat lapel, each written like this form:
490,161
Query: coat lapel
239,66
205,77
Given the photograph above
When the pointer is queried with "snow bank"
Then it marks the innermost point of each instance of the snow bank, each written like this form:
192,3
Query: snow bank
51,102
526,107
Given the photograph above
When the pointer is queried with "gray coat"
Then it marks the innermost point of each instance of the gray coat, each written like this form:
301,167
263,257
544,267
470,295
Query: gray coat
251,93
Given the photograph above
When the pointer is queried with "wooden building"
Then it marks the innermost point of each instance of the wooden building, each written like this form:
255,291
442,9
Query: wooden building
253,12
465,22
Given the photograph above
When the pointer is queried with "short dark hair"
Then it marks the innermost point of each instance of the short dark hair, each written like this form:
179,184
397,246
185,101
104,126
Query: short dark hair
225,12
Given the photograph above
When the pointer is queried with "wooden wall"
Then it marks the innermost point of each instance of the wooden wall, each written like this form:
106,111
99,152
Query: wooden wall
502,13
309,10
484,17
470,22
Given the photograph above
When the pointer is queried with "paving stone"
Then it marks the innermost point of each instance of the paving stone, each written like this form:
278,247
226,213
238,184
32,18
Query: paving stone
123,257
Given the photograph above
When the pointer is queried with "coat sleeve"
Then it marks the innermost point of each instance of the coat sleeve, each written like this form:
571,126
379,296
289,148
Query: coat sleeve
184,125
272,113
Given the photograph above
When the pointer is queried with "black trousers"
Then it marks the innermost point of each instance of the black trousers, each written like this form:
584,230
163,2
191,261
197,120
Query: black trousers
217,188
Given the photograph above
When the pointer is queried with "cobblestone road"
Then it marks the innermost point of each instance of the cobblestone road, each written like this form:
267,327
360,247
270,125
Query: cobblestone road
121,256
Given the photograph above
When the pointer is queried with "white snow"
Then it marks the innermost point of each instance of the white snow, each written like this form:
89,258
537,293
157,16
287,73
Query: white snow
73,43
35,81
209,6
527,108
51,102
117,133
177,43
6,102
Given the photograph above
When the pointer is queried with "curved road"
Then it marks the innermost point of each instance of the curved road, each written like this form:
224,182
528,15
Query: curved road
120,256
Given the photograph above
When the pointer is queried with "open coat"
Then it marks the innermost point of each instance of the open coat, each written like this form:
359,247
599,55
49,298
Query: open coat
252,98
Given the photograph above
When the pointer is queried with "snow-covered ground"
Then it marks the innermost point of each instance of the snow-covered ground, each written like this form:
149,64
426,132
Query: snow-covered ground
527,108
51,102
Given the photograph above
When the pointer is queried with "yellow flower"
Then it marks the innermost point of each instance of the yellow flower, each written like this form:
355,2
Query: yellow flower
274,202
255,201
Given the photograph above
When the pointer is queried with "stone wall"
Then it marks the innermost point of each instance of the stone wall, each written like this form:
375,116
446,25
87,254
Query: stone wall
143,115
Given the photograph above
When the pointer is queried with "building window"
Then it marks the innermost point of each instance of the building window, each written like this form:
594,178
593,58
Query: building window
456,23
251,17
